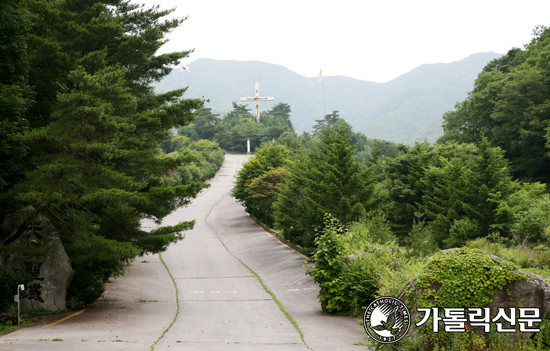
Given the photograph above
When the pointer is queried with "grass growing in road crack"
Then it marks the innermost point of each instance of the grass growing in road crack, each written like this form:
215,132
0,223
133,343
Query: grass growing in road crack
281,307
177,303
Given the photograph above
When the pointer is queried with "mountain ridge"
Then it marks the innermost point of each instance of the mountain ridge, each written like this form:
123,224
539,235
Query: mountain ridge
405,109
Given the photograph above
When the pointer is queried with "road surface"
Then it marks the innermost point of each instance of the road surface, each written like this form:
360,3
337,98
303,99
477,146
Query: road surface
227,286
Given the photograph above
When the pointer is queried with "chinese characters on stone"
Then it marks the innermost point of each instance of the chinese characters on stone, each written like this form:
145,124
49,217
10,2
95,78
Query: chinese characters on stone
34,288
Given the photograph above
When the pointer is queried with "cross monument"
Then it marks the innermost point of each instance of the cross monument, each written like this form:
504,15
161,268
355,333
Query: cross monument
257,98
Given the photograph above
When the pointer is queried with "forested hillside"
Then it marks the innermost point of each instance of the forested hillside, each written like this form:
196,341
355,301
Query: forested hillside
510,106
405,109
426,215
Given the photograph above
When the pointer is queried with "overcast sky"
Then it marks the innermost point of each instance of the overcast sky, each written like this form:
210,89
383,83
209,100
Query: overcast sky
369,40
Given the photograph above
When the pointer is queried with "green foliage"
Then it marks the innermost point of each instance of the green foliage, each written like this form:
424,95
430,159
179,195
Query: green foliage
239,125
525,217
295,143
525,257
420,241
15,93
455,190
462,193
467,278
509,106
204,159
326,179
262,193
404,173
259,178
373,229
92,128
541,340
9,281
329,120
348,286
360,278
328,257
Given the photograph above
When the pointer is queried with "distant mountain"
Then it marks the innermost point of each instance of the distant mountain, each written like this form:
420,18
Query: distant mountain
406,109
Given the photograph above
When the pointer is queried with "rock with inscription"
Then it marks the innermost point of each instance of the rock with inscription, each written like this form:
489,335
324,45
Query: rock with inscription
44,258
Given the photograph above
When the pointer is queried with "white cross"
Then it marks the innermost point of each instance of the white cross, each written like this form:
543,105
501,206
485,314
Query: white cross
257,98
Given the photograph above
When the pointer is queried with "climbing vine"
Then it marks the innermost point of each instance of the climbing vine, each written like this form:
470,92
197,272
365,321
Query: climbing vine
467,278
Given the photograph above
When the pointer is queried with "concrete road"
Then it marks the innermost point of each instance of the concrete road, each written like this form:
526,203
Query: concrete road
227,286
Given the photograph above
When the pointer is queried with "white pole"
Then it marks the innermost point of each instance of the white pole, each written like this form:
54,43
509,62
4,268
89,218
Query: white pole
248,147
22,287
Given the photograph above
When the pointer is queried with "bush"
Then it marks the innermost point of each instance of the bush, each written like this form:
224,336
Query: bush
360,278
346,288
420,241
329,267
205,159
9,281
373,230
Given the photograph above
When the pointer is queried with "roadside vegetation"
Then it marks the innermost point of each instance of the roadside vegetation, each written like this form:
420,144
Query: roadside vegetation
374,219
80,129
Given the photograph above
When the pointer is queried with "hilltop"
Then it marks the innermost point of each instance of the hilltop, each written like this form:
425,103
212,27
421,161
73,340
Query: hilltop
406,109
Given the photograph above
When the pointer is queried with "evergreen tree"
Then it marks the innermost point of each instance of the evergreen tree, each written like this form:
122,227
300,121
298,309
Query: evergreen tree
510,106
262,193
281,111
94,129
325,180
206,123
404,173
463,189
239,125
15,93
328,120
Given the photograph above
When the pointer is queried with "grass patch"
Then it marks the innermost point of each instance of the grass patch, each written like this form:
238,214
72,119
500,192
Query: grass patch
7,326
43,313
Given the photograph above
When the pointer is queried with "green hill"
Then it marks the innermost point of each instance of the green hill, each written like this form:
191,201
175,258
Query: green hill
405,109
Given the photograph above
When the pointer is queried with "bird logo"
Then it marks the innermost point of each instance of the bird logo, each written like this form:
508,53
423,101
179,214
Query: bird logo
387,320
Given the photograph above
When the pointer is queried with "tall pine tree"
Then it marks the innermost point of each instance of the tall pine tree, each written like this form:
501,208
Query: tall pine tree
325,180
94,130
